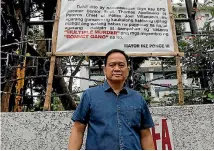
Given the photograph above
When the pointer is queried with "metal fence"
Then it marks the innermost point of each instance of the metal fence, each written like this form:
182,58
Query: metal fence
29,74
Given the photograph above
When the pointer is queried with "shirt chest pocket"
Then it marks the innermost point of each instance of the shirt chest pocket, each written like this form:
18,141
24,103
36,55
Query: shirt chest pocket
132,116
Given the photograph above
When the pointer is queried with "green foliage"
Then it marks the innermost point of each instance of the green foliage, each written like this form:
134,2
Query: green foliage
210,95
37,105
209,6
56,105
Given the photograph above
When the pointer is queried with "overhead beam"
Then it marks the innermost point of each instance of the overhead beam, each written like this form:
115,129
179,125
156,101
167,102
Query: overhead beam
180,20
43,22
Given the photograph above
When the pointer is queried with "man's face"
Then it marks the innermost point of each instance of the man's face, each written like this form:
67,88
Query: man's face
116,69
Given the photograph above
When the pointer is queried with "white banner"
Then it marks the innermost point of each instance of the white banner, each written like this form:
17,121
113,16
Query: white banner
101,25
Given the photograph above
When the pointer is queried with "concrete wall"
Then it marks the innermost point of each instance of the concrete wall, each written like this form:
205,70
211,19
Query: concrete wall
192,128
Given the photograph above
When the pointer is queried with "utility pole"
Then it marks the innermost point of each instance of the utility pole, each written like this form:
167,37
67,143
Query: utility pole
191,12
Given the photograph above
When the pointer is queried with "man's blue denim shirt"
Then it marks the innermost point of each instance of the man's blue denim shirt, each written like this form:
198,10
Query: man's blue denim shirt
114,121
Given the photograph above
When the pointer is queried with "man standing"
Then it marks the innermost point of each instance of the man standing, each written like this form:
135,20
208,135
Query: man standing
117,117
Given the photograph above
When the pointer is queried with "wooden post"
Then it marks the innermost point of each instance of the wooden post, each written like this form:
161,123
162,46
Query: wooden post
180,83
47,104
103,54
178,59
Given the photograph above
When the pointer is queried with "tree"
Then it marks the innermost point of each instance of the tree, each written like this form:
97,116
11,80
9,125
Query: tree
199,56
46,10
11,33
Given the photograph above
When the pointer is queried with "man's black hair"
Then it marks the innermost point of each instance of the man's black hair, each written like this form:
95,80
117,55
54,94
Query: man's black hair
113,51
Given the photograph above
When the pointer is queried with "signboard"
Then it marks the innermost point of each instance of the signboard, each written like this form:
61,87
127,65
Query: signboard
92,26
162,133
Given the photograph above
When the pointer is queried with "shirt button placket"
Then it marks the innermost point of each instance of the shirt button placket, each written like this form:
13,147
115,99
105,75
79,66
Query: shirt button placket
120,127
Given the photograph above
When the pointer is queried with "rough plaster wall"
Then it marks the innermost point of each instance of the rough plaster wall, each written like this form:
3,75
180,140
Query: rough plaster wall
35,130
193,128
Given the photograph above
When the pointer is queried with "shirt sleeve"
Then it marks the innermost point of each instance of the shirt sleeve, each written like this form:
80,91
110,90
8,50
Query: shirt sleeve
146,121
81,113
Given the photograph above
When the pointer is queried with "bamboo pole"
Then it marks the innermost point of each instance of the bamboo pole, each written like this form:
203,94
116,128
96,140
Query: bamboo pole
47,103
178,59
130,54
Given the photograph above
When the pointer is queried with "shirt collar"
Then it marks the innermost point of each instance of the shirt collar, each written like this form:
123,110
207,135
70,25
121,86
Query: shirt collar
107,88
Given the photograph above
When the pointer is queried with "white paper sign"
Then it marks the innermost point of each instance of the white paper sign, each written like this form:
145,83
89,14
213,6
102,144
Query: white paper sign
101,25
